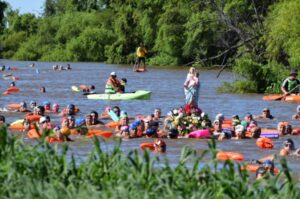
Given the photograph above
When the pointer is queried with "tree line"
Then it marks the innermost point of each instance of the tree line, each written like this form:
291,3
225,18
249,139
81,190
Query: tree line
258,39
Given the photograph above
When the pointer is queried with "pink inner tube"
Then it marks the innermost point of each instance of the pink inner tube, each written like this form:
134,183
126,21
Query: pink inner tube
202,133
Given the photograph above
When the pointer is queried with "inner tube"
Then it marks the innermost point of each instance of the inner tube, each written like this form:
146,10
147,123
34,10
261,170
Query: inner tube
202,133
227,155
147,145
226,125
33,118
16,126
98,133
112,124
13,89
15,106
51,139
264,143
32,134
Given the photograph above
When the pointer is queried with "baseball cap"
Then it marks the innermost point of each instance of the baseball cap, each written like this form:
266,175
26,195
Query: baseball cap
113,73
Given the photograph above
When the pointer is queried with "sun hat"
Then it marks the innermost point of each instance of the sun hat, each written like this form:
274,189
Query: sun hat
220,117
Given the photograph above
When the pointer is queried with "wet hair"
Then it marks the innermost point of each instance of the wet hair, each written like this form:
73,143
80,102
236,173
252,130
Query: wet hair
173,134
2,118
291,142
92,87
124,80
94,112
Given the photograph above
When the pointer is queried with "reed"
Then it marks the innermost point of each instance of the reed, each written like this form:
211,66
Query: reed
47,171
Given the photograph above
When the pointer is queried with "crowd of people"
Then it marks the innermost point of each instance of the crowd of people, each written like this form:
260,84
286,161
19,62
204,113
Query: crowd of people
178,123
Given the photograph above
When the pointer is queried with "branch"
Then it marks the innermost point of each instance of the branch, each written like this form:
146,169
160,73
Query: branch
224,52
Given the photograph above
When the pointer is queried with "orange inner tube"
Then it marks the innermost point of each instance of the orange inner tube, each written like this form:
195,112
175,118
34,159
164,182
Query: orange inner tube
19,126
13,89
99,133
112,124
51,139
33,118
227,155
147,145
264,143
32,134
16,106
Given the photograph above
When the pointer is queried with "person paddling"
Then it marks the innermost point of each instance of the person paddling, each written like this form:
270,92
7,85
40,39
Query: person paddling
291,84
113,85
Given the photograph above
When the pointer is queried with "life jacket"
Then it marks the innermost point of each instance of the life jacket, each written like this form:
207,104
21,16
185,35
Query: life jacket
141,51
110,86
292,84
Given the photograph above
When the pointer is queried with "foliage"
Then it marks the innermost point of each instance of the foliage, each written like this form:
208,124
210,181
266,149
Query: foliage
45,171
249,36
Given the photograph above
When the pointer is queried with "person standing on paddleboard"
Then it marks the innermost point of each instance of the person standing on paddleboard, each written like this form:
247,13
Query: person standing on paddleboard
291,84
141,54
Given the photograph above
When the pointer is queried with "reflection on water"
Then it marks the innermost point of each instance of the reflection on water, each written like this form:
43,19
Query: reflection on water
166,85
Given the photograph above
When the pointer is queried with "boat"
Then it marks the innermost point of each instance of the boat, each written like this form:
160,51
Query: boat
139,94
288,98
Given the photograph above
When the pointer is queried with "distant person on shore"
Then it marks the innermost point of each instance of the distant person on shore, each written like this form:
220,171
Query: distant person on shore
291,84
141,54
113,85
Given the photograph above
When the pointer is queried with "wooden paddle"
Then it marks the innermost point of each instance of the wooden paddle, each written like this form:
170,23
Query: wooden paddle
280,98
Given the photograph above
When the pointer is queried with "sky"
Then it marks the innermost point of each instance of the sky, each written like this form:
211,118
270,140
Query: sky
25,6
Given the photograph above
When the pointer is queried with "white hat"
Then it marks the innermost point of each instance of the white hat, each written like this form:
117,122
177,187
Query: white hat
43,119
220,116
113,74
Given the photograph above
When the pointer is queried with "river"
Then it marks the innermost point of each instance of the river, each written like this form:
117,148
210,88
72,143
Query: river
166,85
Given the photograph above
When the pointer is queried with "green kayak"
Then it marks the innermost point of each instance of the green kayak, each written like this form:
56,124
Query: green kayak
140,94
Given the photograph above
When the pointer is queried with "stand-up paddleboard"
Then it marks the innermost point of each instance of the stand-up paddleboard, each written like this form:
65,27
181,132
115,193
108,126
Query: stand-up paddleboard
140,70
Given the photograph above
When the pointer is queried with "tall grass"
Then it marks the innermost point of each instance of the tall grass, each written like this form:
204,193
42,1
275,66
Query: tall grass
41,171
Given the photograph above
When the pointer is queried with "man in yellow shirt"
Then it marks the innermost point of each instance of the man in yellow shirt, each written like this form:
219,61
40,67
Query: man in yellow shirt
141,53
